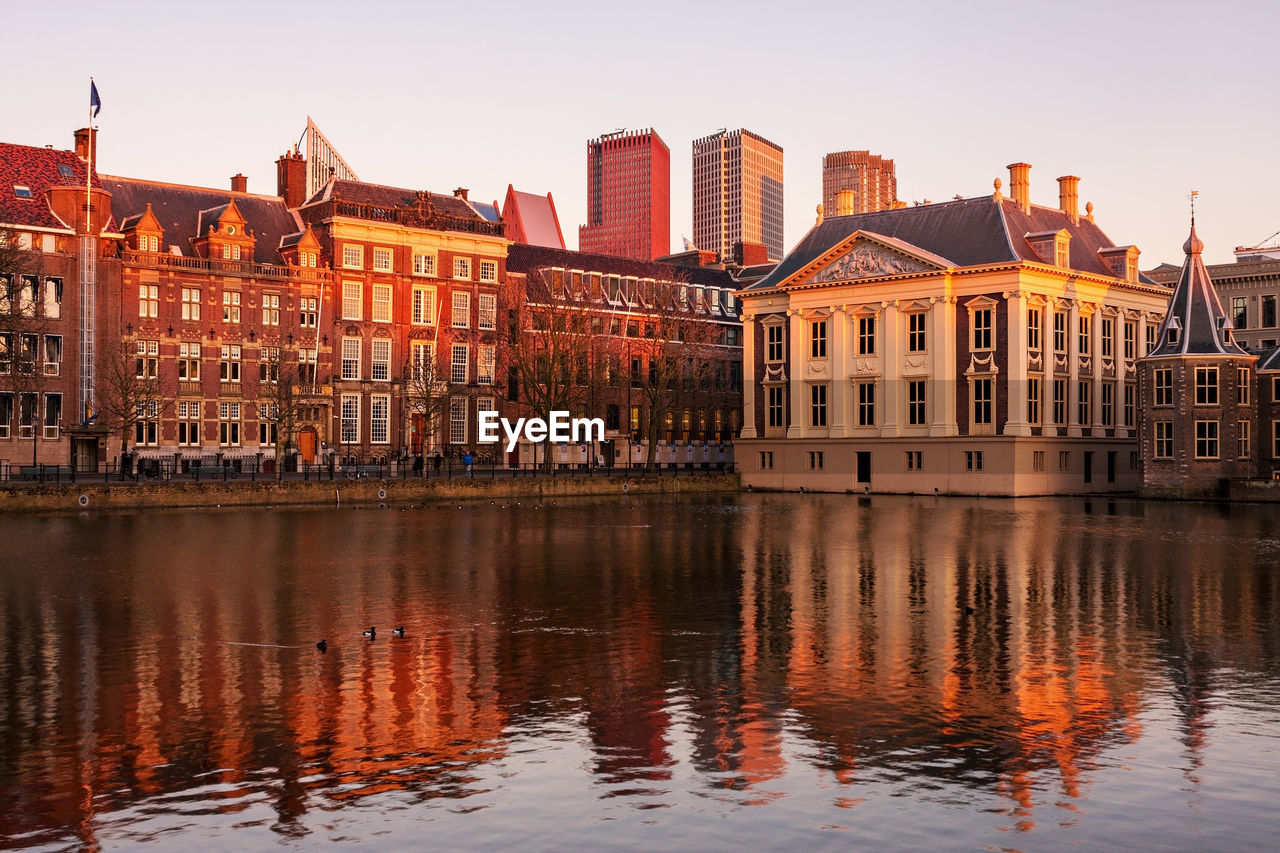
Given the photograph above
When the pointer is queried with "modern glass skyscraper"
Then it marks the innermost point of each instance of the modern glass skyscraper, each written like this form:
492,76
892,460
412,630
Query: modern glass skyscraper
628,196
737,192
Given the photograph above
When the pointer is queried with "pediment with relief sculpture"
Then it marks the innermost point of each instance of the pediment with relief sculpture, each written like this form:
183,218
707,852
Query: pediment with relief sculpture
862,257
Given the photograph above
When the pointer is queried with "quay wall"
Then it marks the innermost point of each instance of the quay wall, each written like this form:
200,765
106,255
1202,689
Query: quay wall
90,496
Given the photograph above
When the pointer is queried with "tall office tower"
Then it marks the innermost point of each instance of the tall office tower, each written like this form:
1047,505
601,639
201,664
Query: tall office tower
628,196
737,192
871,177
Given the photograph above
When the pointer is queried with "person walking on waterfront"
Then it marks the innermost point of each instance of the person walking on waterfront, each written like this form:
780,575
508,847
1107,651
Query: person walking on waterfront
468,459
436,459
417,465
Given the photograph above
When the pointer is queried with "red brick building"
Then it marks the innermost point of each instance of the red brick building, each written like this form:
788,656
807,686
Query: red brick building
628,196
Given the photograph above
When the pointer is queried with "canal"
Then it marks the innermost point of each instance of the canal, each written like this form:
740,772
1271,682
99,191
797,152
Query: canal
726,672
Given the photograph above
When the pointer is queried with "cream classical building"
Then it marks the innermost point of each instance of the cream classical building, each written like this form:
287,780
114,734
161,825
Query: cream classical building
981,346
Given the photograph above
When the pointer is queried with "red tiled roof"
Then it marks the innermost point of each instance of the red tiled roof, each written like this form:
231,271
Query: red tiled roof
39,169
384,196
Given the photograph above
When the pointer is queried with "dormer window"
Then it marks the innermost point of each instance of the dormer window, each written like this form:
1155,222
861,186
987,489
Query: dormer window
1173,336
22,191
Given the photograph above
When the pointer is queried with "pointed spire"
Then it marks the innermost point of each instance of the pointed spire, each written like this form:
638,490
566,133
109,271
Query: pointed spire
1195,323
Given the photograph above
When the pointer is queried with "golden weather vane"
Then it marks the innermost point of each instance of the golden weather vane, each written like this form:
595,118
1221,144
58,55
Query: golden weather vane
1192,196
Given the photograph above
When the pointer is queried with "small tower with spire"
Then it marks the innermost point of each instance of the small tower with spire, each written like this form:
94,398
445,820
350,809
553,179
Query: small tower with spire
1197,422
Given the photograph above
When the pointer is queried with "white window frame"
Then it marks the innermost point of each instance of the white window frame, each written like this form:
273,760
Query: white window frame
461,309
486,361
488,306
351,358
380,419
383,259
462,269
191,303
349,426
424,264
380,360
488,271
381,312
352,300
457,420
423,306
352,256
459,364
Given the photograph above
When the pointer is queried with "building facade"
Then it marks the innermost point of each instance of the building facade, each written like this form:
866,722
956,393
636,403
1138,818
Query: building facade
628,196
869,176
981,346
654,348
737,192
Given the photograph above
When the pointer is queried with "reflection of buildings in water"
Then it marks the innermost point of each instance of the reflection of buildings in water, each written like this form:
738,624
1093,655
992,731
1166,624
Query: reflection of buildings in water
886,665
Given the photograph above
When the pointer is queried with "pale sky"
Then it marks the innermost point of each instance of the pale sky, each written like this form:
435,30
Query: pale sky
1143,101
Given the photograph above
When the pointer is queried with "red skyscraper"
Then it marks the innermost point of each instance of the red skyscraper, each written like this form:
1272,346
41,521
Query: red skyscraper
628,196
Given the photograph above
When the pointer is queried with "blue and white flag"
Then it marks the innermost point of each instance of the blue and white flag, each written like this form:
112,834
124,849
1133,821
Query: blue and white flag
95,103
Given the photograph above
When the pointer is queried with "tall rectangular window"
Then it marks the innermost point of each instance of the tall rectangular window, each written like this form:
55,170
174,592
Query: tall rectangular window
982,410
489,271
231,306
1033,329
461,309
775,405
818,405
1084,403
866,404
458,366
1162,386
1151,338
1163,440
424,306
352,300
1059,401
1206,386
1268,312
1108,337
1060,332
382,260
422,356
915,332
488,305
462,268
1275,439
982,318
229,366
1240,312
1244,386
52,355
189,361
818,339
866,336
1243,448
1033,401
351,358
191,303
380,360
271,309
1130,336
485,366
774,339
1130,397
268,424
915,402
457,420
380,419
1086,335
350,418
382,303
146,425
424,264
53,298
308,307
1206,439
229,424
1108,404
269,364
189,422
148,301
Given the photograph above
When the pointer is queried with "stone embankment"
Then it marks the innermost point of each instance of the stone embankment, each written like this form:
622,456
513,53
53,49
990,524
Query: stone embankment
128,495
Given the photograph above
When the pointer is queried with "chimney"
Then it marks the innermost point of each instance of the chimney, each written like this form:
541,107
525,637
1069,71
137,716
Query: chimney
239,183
461,192
291,179
1069,197
87,144
844,203
1020,185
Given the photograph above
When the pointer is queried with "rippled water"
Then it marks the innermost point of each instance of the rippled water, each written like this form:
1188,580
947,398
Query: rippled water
727,673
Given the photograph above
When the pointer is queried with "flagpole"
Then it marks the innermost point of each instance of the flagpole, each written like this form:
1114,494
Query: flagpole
88,173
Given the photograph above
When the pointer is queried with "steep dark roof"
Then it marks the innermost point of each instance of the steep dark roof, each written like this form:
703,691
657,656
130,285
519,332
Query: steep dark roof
183,210
488,211
37,168
1268,359
1194,310
384,196
524,258
966,232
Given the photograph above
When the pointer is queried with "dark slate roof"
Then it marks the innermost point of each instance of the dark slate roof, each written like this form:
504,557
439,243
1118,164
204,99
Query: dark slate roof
1195,311
291,239
384,196
488,212
1268,359
38,169
966,232
524,258
181,209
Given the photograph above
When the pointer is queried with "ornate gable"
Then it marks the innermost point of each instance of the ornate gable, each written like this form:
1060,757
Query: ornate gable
863,256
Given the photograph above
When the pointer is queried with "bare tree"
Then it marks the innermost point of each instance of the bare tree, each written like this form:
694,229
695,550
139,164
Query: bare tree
675,355
426,389
555,346
24,323
282,393
128,390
